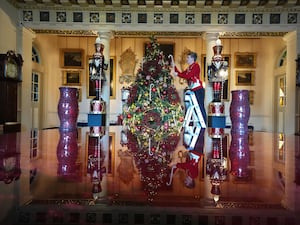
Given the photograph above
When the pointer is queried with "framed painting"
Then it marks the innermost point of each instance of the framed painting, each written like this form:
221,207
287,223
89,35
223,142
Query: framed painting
91,89
166,48
245,60
72,78
71,58
226,85
244,78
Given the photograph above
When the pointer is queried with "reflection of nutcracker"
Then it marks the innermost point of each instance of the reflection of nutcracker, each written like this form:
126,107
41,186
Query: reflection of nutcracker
216,167
9,167
96,178
95,165
97,66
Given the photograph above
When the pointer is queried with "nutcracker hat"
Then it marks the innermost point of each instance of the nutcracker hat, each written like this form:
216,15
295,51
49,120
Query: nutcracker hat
99,42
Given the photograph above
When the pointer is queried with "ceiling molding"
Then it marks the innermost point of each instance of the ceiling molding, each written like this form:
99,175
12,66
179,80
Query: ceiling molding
159,5
161,33
252,34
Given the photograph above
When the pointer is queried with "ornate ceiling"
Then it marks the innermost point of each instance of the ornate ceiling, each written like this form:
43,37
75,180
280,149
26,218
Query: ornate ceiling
242,18
188,4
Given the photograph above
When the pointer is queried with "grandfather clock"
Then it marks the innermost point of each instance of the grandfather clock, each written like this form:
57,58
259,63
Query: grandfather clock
10,76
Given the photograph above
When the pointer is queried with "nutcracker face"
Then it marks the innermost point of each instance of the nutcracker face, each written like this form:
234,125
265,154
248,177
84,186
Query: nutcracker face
99,47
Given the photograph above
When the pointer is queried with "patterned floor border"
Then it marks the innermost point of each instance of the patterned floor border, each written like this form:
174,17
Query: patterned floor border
85,212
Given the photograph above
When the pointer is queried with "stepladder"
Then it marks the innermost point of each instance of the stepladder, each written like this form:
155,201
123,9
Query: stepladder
193,116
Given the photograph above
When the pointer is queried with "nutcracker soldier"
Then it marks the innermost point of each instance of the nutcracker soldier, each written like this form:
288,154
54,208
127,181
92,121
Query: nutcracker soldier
97,66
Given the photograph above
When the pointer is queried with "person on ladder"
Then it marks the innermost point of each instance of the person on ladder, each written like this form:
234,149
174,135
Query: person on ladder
192,75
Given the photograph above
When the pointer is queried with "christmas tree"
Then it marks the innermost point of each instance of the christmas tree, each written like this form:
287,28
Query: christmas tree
153,106
154,117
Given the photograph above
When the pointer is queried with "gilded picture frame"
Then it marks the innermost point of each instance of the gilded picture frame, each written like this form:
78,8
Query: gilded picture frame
245,60
72,58
165,47
244,77
71,78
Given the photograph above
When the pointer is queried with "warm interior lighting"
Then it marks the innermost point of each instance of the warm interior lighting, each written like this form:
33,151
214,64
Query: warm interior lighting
223,73
216,198
281,93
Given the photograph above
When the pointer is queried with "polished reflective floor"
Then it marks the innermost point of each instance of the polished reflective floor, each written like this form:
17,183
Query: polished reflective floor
100,176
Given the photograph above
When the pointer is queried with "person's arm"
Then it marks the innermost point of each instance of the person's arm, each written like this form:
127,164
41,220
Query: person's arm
183,165
190,74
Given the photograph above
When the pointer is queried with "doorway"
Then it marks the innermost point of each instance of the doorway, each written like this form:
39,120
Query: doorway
35,100
280,103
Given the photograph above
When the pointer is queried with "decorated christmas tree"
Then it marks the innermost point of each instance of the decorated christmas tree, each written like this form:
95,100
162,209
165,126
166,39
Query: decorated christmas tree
154,117
153,106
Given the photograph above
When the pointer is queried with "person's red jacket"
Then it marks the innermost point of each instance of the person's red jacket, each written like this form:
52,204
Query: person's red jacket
192,75
191,166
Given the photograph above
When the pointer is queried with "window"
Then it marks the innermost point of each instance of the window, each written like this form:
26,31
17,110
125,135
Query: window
282,59
35,87
35,55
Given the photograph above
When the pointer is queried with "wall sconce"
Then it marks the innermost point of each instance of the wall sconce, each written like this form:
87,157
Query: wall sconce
124,139
125,93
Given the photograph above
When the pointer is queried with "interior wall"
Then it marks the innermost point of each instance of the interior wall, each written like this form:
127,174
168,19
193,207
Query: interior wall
266,49
7,41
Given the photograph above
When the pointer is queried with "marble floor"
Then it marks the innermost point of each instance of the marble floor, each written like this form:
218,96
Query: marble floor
92,176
